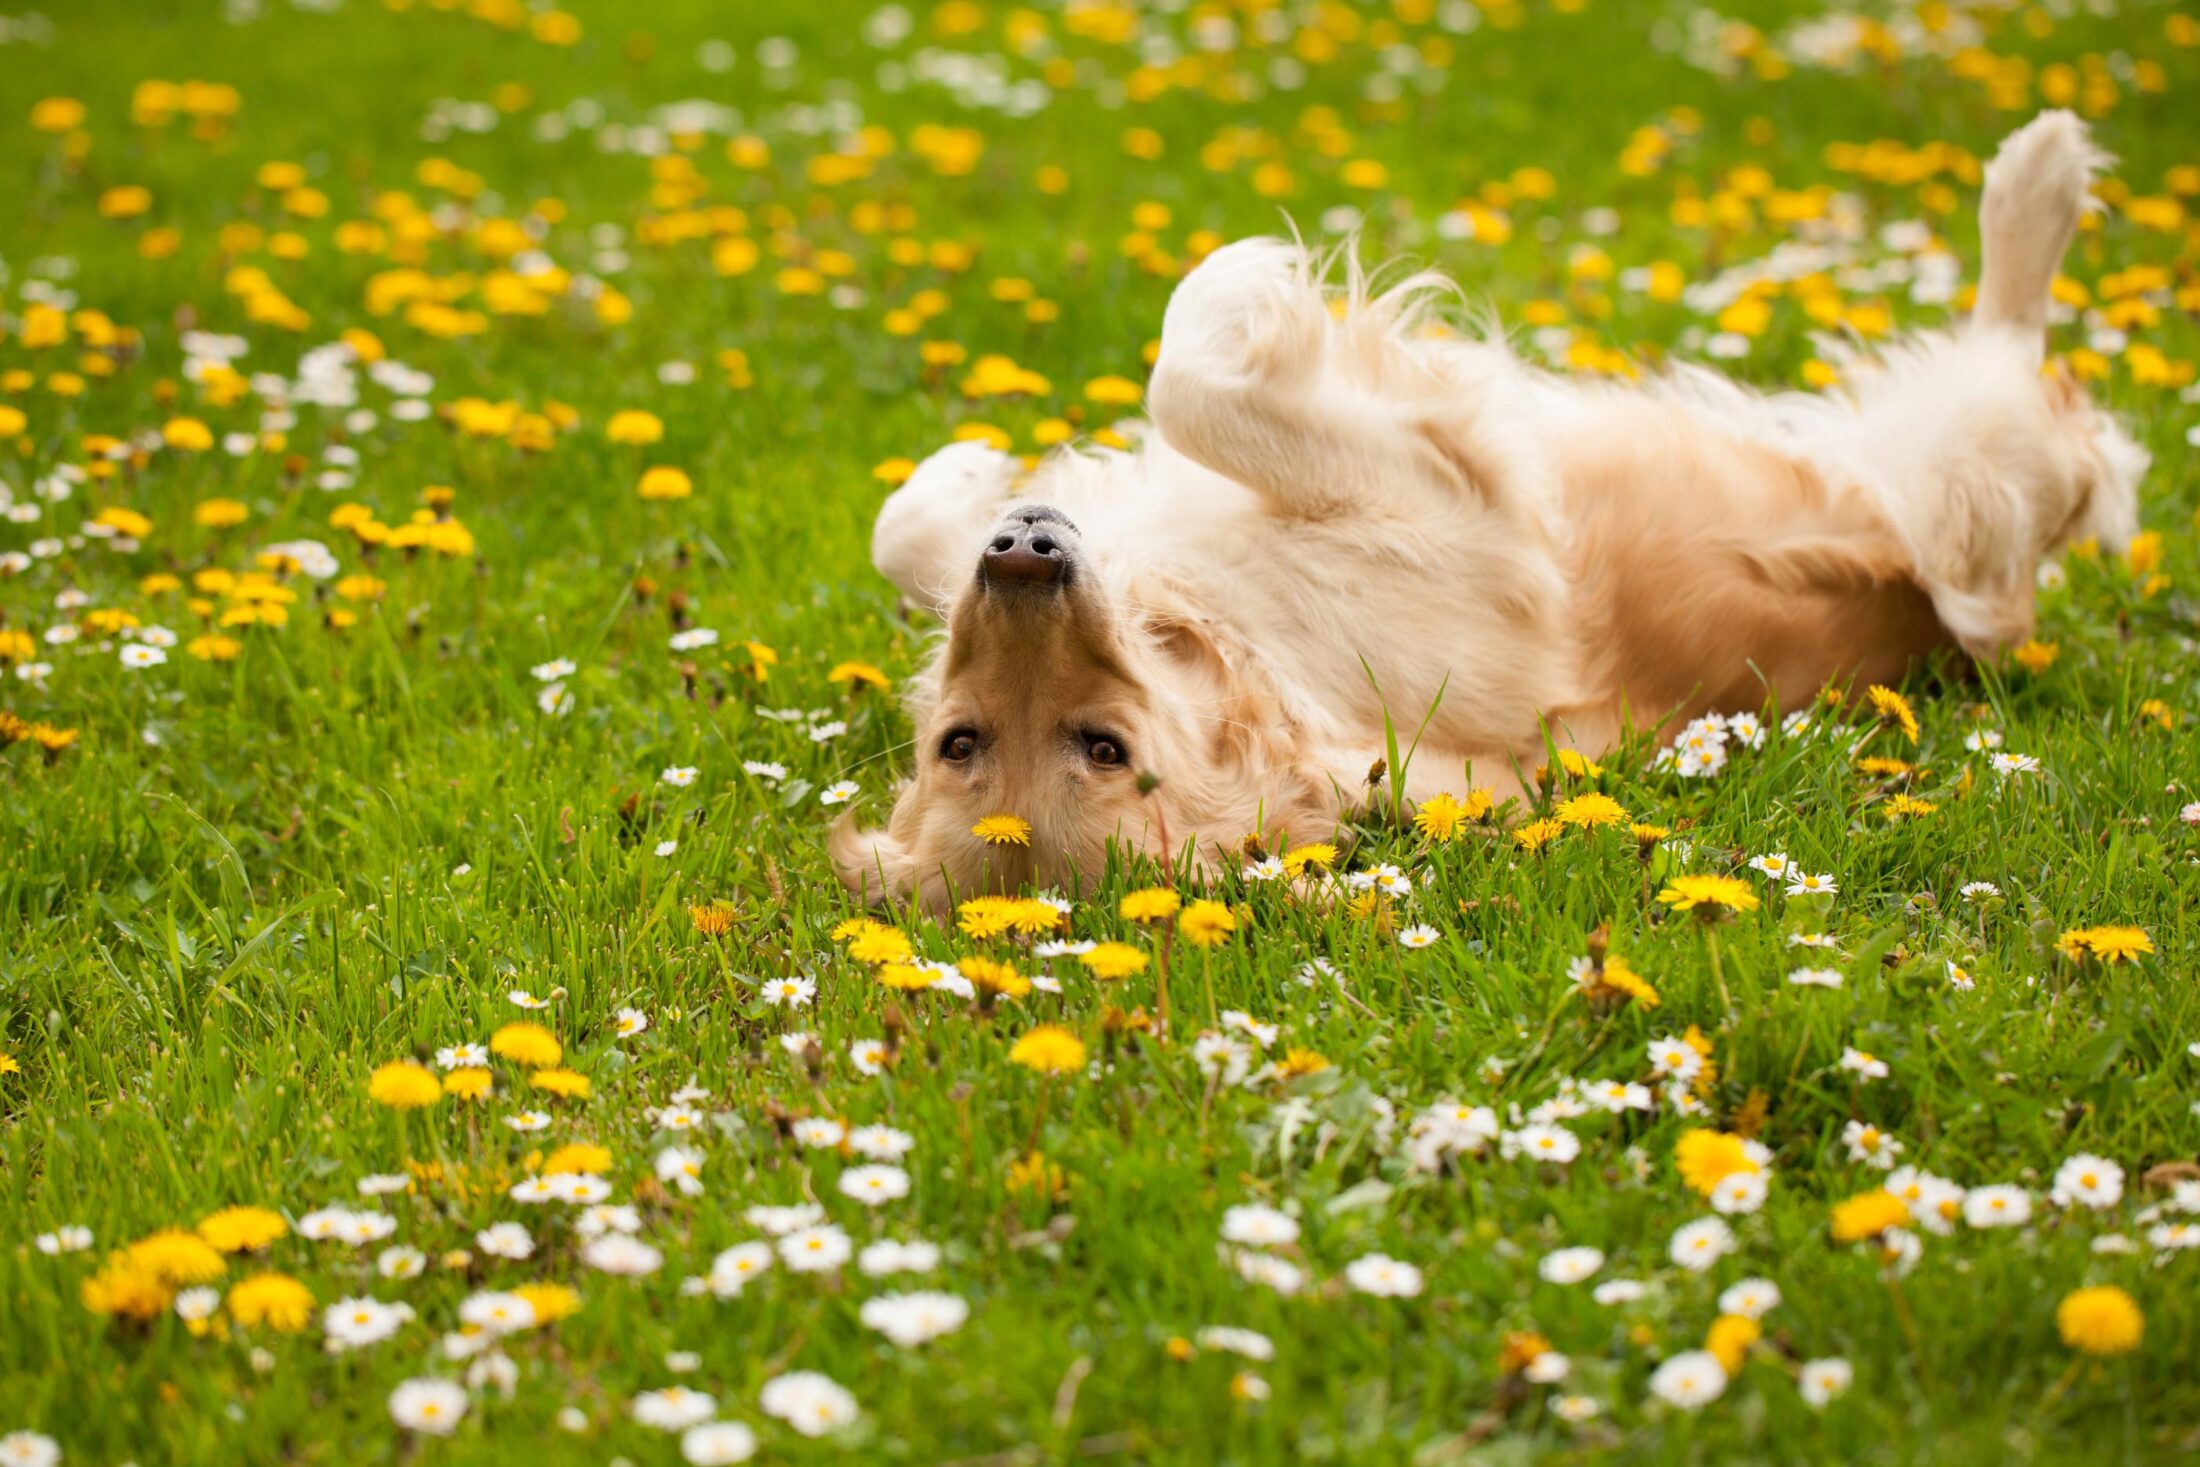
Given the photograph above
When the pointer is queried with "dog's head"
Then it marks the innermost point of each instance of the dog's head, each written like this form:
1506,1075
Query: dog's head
1061,699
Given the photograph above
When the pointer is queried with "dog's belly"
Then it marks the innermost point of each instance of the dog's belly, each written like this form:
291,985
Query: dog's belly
1711,572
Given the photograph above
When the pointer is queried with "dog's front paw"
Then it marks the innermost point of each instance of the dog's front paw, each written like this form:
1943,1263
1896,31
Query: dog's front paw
961,472
1249,312
932,521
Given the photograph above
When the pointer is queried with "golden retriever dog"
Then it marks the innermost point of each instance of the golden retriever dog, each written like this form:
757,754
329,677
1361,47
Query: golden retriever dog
1340,515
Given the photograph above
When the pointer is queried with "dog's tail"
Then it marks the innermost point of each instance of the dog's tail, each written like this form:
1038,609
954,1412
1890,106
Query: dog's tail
2036,191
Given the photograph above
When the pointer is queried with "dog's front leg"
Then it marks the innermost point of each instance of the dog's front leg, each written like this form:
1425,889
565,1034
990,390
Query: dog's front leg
930,530
1245,386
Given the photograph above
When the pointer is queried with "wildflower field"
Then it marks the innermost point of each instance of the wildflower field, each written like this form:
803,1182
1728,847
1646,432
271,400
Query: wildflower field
438,446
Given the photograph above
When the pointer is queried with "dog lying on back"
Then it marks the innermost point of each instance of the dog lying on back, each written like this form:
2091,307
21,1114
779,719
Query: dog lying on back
1339,512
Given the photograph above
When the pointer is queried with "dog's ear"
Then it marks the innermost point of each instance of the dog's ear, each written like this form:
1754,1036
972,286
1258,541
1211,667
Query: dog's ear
874,864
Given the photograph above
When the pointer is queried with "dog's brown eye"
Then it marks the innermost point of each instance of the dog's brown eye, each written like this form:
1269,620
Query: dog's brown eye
959,745
1101,749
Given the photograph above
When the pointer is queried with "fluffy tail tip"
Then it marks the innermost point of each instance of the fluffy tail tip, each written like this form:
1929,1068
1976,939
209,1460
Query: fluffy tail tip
2038,186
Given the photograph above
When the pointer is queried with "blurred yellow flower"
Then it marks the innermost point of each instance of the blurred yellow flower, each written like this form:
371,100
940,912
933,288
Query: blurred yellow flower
2100,1321
404,1085
1049,1049
1206,923
273,1299
242,1229
663,482
527,1044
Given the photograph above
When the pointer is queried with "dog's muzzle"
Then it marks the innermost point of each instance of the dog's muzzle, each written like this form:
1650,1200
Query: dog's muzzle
1034,548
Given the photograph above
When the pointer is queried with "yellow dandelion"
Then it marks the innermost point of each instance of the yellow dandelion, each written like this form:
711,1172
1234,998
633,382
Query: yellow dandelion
2100,1321
1206,923
1892,707
177,1257
634,426
1589,811
527,1044
881,944
127,1288
242,1229
552,1302
1109,961
1536,834
567,1083
859,675
1730,1338
993,979
404,1085
1620,978
2109,944
1151,904
713,919
1867,1215
1707,1158
662,482
1440,817
1708,894
906,977
275,1300
1049,1049
577,1158
1003,830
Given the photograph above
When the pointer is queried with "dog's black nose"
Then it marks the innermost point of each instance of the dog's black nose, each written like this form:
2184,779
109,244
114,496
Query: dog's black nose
1031,548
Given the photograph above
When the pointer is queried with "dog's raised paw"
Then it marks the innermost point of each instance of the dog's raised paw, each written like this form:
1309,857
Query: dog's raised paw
1248,311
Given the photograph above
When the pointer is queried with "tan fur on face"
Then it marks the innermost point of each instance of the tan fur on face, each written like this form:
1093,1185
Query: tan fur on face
1031,678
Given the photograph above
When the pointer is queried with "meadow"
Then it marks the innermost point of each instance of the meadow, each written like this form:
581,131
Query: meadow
438,446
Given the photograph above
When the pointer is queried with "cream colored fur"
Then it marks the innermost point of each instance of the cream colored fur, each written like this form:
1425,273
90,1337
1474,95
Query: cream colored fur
1334,502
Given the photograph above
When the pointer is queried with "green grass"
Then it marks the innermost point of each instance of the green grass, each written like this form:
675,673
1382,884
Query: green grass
250,883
